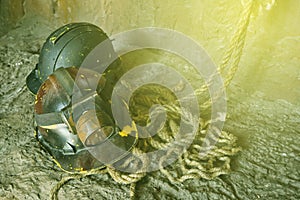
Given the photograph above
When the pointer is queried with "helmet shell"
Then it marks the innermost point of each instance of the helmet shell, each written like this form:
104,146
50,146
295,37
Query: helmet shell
71,118
65,47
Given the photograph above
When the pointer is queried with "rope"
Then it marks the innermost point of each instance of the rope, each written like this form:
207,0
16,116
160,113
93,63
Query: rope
119,177
190,164
237,43
54,191
233,53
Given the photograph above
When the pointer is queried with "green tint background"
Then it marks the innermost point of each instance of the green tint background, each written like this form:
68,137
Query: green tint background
263,106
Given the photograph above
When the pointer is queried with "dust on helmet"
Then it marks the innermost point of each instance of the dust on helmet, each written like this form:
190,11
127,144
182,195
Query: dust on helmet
67,46
67,127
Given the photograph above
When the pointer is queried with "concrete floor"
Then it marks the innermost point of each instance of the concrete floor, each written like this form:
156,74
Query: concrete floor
267,168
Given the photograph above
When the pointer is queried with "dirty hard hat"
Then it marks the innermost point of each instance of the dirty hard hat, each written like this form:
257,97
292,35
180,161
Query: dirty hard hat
73,117
68,129
67,46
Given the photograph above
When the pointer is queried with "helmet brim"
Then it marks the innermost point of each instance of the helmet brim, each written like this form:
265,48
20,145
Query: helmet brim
33,81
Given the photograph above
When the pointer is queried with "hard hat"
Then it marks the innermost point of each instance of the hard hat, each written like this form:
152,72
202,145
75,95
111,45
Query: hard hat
67,128
72,118
67,46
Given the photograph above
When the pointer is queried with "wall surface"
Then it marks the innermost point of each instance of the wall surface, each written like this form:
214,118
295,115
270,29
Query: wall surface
270,62
263,106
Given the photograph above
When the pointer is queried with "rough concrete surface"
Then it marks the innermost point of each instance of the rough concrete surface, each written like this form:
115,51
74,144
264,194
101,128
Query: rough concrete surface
268,167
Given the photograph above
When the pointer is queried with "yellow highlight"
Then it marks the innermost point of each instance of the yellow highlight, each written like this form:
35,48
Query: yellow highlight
127,130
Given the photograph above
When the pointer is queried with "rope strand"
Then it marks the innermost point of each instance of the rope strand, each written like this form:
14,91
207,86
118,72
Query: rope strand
191,165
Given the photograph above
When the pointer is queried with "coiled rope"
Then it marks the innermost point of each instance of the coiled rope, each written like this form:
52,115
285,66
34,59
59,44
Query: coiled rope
190,164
